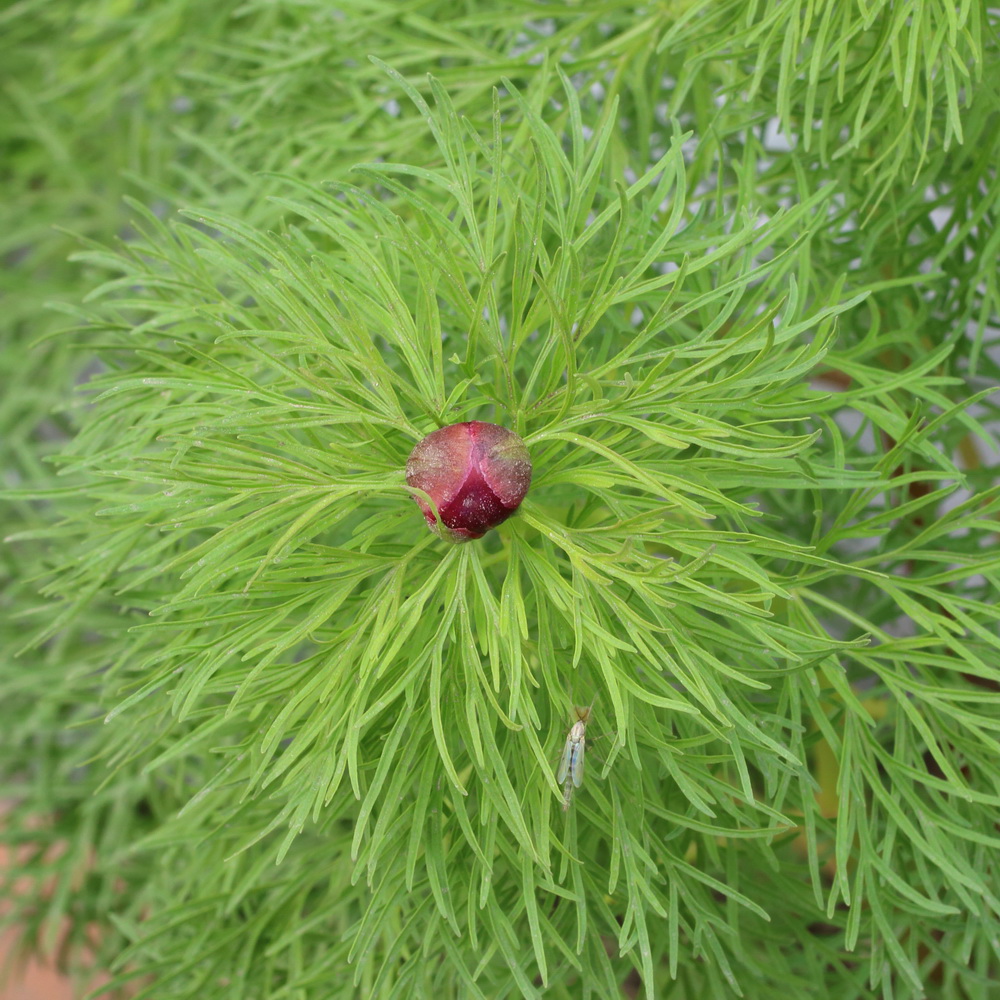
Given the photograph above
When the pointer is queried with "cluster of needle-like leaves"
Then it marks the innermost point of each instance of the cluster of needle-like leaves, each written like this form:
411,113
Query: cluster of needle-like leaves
729,270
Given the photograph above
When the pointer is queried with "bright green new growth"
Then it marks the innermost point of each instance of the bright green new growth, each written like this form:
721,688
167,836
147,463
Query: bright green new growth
760,539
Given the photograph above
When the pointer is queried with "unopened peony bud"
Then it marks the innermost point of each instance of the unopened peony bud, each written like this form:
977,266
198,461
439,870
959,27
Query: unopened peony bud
477,474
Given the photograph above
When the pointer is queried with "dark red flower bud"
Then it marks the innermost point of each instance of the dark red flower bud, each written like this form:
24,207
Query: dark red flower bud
477,474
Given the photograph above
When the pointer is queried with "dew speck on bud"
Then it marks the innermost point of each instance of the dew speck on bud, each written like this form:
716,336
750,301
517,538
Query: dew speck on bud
476,473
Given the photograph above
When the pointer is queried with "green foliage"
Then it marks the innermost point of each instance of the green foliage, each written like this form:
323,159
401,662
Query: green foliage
271,736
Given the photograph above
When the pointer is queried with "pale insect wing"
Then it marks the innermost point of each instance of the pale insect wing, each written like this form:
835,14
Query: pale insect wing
564,762
578,764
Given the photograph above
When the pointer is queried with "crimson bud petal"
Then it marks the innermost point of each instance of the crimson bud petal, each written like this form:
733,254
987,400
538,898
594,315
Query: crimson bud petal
476,473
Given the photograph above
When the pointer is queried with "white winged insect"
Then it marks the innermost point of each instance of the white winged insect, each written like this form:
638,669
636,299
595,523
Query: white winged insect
570,773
